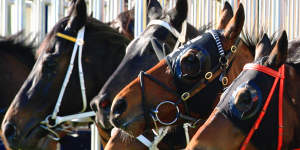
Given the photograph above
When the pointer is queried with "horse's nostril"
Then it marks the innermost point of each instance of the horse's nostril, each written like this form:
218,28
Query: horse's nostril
9,132
119,108
104,102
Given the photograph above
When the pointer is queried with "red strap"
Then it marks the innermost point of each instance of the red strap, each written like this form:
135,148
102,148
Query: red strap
264,69
277,75
280,109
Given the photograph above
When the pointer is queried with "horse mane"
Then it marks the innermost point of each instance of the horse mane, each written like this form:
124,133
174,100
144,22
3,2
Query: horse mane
251,39
97,27
204,28
293,56
19,46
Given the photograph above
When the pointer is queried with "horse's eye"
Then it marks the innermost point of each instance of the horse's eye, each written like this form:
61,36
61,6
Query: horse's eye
190,64
247,102
243,100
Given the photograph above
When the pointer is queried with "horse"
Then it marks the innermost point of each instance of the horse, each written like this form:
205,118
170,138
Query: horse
16,60
260,109
27,119
124,23
155,98
141,55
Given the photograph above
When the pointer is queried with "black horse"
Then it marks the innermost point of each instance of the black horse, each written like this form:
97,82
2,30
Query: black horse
103,49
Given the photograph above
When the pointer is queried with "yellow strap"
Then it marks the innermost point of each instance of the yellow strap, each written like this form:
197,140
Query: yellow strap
67,37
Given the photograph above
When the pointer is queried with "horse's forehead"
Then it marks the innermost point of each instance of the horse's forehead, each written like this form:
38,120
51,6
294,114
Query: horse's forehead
137,46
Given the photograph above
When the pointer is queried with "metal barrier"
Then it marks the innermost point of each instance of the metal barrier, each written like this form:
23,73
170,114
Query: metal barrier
275,15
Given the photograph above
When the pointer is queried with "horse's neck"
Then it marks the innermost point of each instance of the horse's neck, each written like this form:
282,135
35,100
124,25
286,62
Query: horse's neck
242,57
292,105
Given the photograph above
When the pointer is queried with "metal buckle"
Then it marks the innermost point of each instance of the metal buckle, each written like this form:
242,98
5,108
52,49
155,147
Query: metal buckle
223,61
80,42
224,81
156,113
49,122
233,48
208,75
185,96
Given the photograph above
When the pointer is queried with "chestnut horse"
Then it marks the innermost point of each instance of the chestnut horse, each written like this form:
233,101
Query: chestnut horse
36,99
252,116
141,55
154,99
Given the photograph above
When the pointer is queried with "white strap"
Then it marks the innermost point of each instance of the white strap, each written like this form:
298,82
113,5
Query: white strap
218,42
144,140
79,43
166,25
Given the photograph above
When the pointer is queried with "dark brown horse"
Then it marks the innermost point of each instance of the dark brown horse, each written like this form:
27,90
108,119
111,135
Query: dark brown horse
244,101
38,95
141,55
155,93
124,23
16,61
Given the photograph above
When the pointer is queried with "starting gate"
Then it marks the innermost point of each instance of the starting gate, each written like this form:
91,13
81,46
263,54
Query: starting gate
39,16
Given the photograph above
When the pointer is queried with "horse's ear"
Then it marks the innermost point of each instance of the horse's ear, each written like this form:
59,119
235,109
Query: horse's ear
279,53
234,27
263,47
154,9
78,15
179,13
226,15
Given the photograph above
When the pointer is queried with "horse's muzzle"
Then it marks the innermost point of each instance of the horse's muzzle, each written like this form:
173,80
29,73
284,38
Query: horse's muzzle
116,112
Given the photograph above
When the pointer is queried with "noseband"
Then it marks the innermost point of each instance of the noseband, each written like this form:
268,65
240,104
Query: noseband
279,75
219,70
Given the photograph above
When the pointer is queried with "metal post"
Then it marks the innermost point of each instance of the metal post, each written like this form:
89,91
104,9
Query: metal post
57,11
20,22
38,23
4,19
97,9
140,17
95,138
297,19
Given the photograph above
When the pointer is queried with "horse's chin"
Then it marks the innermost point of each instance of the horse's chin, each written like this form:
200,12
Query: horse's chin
36,140
135,126
103,120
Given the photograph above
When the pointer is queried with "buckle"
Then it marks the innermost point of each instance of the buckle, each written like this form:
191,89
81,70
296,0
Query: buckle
185,96
80,42
224,81
223,61
233,48
208,75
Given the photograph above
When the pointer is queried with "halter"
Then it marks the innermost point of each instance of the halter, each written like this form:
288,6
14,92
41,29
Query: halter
278,75
209,77
160,133
53,120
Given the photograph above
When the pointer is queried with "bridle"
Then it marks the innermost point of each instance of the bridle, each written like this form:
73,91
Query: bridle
278,75
219,70
160,52
53,120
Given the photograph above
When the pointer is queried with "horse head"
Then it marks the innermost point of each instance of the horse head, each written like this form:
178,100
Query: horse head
157,97
51,89
143,53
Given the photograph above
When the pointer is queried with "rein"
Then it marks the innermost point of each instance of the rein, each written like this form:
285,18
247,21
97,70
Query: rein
278,75
53,120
